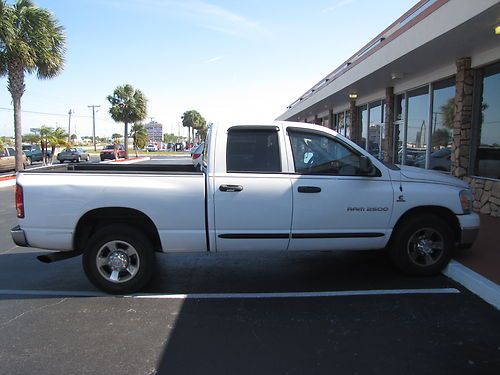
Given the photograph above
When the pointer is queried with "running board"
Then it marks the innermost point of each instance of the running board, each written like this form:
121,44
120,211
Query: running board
56,257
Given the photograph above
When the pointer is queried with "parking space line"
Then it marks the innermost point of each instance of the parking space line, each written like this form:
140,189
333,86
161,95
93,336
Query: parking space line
323,294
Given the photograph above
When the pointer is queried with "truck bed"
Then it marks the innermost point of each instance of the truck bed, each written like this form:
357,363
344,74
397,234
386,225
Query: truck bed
119,168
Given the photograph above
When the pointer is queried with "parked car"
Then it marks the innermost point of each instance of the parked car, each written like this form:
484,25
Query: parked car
281,186
73,154
178,147
108,152
439,160
151,148
197,155
34,153
8,159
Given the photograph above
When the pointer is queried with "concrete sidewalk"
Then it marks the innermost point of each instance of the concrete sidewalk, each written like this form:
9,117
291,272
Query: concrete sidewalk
478,268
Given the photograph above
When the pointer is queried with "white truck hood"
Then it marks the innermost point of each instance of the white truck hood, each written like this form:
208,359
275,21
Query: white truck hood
419,174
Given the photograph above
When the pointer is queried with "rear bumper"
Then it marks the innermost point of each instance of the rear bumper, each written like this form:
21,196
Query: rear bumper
469,225
18,236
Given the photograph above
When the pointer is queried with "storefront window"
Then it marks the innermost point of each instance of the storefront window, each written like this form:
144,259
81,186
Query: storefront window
443,113
340,123
416,129
375,130
488,152
399,109
363,120
348,124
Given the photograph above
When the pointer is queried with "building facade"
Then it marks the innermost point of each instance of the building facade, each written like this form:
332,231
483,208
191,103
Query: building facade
425,92
155,132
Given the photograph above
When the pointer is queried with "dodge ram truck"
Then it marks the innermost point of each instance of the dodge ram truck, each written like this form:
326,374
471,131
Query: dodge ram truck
281,186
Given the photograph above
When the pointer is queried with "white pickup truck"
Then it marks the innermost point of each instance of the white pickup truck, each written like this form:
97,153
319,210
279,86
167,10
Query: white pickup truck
282,186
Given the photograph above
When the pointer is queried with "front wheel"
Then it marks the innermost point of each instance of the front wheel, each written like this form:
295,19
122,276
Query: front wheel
422,245
119,259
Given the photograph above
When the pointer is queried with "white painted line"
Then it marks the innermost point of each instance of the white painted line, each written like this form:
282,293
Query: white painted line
69,293
476,283
297,294
6,183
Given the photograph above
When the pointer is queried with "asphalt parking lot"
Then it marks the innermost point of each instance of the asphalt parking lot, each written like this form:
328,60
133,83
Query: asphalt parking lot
301,313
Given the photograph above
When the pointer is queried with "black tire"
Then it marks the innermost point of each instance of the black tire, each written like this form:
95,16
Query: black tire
102,159
127,238
61,161
422,245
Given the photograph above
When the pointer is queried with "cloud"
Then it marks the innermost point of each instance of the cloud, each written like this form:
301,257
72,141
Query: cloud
214,59
338,4
204,14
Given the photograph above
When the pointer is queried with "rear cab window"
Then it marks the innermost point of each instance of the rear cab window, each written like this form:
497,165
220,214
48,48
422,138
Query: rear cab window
253,150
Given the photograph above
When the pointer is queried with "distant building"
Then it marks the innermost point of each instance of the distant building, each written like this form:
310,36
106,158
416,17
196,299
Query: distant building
155,131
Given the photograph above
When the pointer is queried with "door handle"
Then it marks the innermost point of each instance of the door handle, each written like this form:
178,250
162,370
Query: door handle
230,188
309,189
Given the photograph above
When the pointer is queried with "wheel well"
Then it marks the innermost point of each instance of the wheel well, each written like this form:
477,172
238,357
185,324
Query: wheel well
440,211
96,219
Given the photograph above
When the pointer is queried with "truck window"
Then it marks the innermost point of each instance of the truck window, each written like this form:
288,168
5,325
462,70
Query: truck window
251,150
317,154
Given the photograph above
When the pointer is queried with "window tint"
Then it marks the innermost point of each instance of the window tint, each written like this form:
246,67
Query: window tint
318,154
253,151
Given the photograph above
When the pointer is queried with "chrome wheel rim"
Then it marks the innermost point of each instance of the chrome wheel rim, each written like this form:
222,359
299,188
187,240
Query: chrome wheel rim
117,261
425,247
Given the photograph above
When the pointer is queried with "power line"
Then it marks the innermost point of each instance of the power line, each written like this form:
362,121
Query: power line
44,113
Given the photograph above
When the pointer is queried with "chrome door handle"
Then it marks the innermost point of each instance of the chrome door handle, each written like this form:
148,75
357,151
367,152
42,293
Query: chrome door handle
230,188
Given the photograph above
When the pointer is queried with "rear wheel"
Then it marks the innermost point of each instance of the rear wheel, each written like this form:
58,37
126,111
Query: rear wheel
422,245
119,259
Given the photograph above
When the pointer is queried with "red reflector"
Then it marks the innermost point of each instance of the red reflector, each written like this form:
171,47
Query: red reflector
19,201
196,156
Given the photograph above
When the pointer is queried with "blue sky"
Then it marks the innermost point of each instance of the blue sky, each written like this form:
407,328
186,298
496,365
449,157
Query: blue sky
233,61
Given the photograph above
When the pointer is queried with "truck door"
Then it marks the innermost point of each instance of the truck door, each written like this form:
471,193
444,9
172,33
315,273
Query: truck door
337,202
252,198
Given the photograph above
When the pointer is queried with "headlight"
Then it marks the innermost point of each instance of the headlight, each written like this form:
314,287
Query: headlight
466,201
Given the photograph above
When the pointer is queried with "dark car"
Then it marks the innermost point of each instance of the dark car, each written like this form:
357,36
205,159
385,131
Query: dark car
108,152
34,153
439,160
74,154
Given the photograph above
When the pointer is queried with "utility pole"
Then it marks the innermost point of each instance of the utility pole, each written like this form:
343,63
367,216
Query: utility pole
93,123
69,125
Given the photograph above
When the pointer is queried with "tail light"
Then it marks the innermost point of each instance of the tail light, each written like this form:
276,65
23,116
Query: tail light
196,156
19,201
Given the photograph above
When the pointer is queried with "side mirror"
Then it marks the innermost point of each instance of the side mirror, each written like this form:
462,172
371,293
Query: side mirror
365,165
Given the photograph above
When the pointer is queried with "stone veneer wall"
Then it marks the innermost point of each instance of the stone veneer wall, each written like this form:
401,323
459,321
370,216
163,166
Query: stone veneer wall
486,195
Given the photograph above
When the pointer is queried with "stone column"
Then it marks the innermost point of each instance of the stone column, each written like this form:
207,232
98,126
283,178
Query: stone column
462,123
331,125
355,125
388,142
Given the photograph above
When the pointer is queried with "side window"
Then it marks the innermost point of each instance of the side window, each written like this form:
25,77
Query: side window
318,154
12,152
4,153
253,150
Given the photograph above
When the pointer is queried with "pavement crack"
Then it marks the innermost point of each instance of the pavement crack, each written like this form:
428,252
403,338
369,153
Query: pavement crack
30,311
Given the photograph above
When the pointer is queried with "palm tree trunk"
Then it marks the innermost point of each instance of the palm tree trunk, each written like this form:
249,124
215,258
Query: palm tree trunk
18,134
16,88
125,140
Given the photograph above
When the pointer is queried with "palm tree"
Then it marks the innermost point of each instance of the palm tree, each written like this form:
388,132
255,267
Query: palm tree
57,137
128,105
139,135
193,120
31,41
